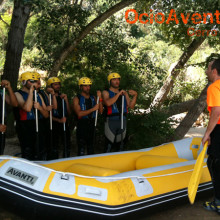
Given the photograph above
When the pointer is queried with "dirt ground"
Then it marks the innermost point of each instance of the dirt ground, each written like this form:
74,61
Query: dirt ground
175,211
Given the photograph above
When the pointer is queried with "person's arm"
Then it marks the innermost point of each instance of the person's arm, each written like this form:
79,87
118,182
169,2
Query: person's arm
213,120
28,104
43,108
64,96
59,120
134,99
128,100
79,112
11,98
110,101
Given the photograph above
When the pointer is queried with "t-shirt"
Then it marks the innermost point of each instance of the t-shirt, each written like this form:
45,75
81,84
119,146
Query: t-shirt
213,96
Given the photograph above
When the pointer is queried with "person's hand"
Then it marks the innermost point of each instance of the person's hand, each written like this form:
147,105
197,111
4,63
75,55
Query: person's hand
32,88
49,108
132,92
63,96
37,105
2,128
99,94
5,83
96,107
122,92
51,91
62,120
205,138
36,85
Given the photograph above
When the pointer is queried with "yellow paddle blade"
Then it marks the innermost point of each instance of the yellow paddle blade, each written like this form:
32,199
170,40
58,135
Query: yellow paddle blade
196,175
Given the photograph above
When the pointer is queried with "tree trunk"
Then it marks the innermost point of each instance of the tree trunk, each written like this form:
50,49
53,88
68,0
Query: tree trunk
15,43
164,90
192,115
179,108
1,2
97,21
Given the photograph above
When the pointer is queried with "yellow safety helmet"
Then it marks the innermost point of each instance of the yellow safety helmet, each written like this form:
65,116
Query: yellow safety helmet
38,75
113,76
52,80
85,81
29,75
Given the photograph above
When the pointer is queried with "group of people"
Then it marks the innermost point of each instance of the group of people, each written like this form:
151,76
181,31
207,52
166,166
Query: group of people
42,116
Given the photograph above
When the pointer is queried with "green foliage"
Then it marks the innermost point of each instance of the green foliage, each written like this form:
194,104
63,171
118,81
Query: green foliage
151,59
3,36
177,33
184,91
147,130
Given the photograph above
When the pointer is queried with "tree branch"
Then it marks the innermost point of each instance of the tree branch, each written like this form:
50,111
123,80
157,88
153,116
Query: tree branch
164,90
4,21
179,108
192,115
97,21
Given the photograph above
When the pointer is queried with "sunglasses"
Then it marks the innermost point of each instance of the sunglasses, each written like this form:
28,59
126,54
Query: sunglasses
32,81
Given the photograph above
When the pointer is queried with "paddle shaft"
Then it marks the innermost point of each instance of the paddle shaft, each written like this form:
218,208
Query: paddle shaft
3,122
36,111
3,107
51,121
122,123
96,113
96,118
64,130
37,128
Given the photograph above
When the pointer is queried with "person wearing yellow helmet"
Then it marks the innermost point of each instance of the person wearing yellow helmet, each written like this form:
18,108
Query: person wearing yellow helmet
84,106
26,119
52,80
45,94
60,117
112,100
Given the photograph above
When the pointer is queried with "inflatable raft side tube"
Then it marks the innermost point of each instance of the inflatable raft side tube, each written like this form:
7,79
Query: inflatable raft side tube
149,161
89,170
32,198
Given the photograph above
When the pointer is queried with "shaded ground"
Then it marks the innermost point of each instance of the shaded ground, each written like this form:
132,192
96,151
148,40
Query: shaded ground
179,210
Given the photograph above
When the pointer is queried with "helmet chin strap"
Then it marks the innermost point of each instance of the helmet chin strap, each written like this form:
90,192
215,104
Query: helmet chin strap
24,82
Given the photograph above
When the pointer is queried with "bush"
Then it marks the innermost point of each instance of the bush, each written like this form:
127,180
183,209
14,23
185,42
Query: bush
147,130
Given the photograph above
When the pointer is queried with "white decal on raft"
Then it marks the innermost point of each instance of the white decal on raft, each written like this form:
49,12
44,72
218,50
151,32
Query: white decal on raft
66,186
92,192
142,187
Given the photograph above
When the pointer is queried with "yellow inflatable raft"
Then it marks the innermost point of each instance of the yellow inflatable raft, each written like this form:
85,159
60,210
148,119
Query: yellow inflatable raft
112,184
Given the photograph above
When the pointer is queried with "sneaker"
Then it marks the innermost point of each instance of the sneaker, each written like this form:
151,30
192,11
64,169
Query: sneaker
212,206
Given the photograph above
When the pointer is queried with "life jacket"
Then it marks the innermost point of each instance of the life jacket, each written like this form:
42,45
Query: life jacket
115,109
44,96
23,115
58,113
86,104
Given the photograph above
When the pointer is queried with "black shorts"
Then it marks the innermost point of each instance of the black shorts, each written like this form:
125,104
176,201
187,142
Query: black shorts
214,147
